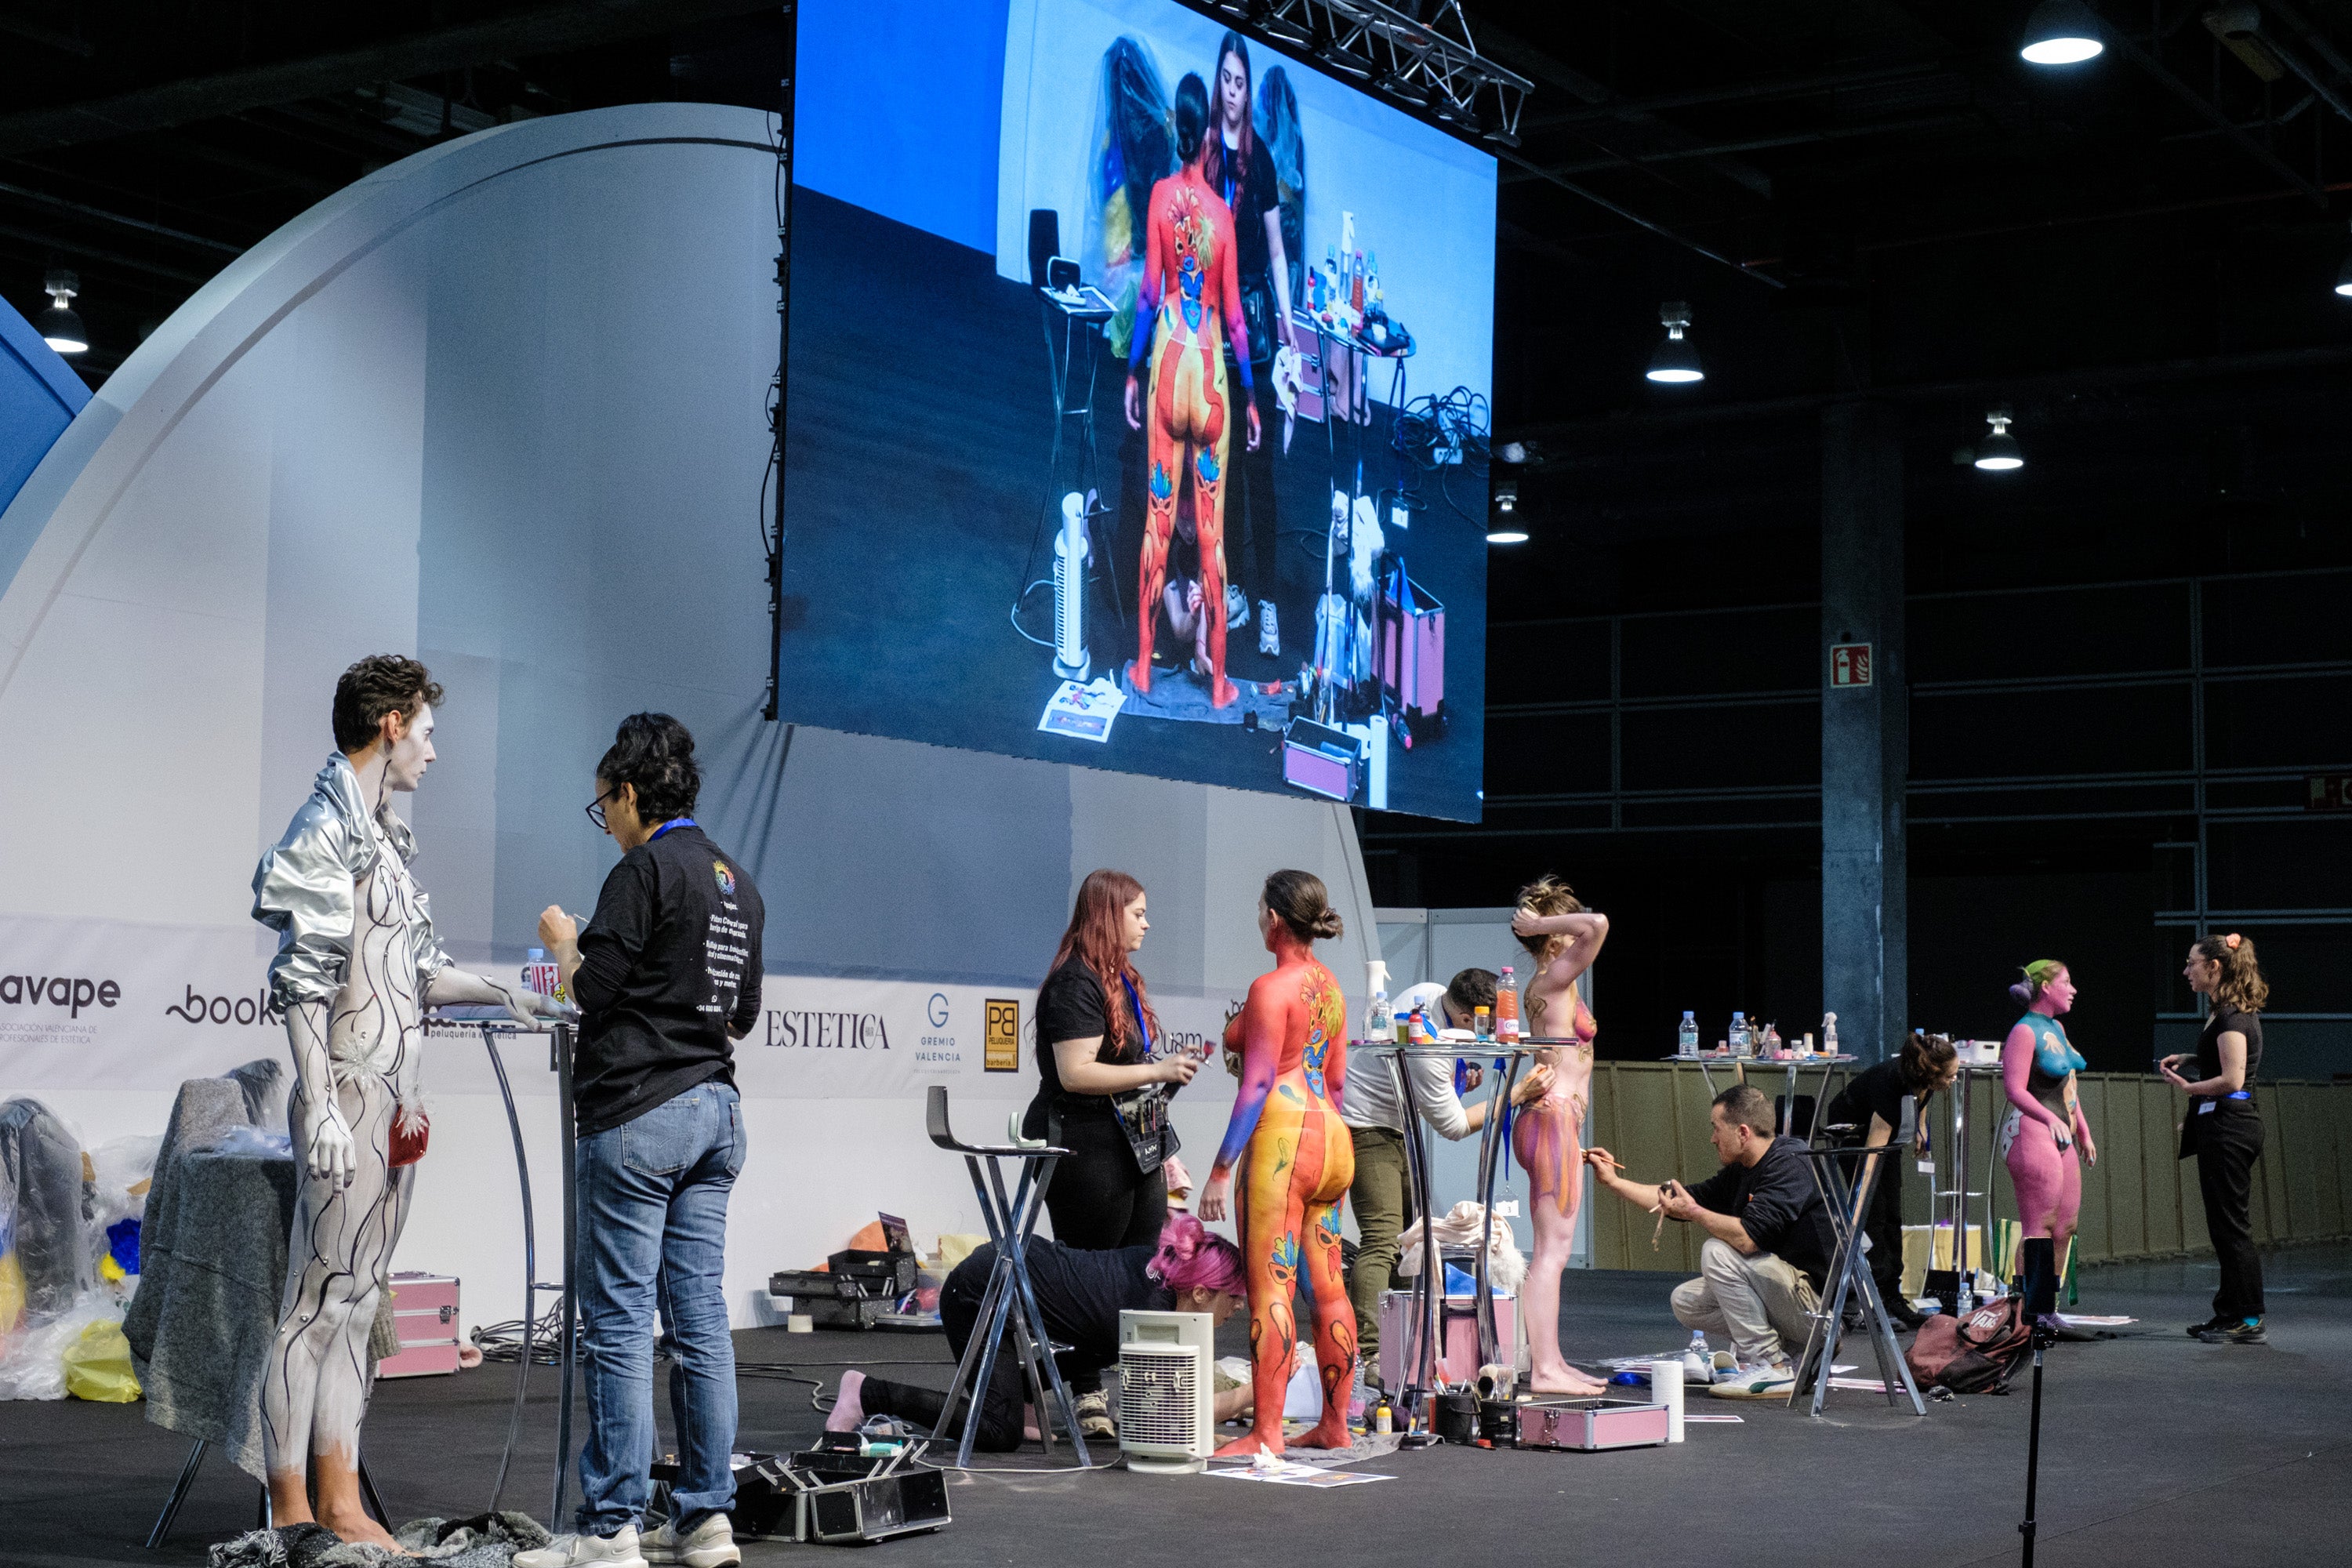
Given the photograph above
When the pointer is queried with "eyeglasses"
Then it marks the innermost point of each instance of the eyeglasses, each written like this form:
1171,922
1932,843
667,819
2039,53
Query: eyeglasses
595,809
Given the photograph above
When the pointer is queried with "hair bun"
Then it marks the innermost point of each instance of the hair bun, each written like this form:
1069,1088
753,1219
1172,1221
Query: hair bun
1329,924
2231,941
2021,994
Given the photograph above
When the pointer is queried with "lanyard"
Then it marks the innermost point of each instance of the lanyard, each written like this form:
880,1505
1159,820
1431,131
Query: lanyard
674,822
1142,1029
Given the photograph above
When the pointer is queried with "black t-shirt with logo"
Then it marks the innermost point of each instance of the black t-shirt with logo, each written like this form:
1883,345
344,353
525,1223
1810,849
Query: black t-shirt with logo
669,965
1072,1006
1779,1203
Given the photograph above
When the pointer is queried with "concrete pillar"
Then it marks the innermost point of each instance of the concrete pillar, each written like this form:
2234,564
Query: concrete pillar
1865,733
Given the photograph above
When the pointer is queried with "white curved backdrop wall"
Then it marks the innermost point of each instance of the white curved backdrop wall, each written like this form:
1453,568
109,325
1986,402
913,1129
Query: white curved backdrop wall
501,406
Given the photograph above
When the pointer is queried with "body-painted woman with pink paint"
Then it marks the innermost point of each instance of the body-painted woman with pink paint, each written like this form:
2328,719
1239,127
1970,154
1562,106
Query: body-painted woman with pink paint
1563,937
2045,1124
1296,1159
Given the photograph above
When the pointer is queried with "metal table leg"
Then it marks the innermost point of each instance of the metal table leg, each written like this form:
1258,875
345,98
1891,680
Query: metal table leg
568,1313
156,1537
1422,1378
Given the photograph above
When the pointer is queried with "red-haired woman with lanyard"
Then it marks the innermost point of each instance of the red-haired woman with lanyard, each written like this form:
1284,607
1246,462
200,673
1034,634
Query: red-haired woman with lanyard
1100,1094
2223,1129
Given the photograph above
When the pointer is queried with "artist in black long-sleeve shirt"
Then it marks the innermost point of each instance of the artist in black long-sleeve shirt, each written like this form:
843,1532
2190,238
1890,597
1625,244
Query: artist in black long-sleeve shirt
667,976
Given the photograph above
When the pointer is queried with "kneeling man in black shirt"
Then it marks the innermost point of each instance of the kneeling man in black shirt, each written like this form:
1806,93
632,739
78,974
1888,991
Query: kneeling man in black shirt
1766,1256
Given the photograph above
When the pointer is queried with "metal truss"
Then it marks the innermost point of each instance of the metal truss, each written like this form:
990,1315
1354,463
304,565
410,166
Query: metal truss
1433,67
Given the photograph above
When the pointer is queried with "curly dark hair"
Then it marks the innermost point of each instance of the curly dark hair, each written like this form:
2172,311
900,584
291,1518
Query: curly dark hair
379,684
654,754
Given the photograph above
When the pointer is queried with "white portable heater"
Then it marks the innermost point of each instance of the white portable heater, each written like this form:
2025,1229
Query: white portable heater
1167,1400
1070,660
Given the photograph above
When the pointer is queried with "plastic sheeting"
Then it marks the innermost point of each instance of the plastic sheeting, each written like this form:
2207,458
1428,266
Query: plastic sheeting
68,1256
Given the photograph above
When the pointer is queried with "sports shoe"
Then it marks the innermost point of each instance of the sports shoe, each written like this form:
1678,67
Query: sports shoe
1236,607
1722,1366
1269,639
2245,1332
1093,1414
2198,1330
616,1550
710,1544
1757,1383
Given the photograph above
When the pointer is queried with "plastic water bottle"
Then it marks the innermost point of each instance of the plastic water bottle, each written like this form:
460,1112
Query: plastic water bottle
1379,1019
1740,1044
1507,1008
1688,1045
1698,1364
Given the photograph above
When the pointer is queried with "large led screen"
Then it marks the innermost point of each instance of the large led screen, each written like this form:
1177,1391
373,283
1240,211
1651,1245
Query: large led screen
1134,374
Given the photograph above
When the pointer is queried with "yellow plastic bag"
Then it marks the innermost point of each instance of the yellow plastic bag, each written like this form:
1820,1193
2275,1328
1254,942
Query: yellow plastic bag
98,1366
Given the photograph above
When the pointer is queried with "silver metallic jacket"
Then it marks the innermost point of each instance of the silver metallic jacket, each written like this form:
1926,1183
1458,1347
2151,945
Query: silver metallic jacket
306,888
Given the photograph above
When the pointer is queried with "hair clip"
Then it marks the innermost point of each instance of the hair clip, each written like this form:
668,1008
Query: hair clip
2231,941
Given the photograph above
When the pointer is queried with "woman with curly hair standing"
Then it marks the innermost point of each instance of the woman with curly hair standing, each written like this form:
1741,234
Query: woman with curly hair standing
2223,1129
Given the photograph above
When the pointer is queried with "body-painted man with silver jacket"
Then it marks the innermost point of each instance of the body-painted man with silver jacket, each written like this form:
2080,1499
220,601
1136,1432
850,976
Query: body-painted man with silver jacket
357,963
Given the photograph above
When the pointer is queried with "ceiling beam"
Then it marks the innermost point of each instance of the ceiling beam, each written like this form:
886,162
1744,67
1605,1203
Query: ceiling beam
550,29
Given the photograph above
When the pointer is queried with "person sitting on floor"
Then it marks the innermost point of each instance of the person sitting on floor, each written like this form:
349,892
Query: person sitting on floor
1080,1295
1767,1257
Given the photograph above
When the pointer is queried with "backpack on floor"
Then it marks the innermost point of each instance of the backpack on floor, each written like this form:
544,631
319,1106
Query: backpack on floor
1975,1355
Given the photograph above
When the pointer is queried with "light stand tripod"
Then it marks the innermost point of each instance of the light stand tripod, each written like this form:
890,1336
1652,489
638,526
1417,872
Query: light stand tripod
2039,1265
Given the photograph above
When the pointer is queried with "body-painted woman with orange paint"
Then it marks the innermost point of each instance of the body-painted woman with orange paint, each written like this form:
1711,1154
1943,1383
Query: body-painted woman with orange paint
1189,311
1296,1161
1563,937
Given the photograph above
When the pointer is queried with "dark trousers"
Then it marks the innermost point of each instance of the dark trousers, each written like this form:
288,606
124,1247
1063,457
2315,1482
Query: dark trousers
999,1406
1256,513
2229,1142
1099,1201
1882,1222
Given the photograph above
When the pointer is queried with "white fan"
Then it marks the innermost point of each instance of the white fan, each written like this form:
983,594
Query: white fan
1167,1399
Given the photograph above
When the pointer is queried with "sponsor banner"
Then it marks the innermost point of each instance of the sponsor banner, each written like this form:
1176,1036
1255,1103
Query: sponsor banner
120,1005
823,1037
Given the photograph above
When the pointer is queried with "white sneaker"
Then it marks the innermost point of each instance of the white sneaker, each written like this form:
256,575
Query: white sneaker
710,1544
1236,607
1269,640
619,1551
1757,1382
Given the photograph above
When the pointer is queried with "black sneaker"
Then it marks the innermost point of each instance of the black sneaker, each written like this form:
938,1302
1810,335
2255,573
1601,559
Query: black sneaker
2242,1332
2198,1330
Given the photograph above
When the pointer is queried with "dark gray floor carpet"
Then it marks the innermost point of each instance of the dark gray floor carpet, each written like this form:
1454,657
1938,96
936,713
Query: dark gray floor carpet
2156,1448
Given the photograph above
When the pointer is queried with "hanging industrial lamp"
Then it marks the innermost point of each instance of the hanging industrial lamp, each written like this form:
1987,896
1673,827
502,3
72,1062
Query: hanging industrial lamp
2061,33
59,326
1999,452
1676,362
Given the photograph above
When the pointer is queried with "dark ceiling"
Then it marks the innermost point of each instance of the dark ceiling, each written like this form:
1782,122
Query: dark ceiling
1849,193
2135,253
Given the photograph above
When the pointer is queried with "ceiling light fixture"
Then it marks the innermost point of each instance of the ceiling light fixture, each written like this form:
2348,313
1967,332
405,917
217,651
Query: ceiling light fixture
1676,362
1507,535
58,325
1999,452
2061,33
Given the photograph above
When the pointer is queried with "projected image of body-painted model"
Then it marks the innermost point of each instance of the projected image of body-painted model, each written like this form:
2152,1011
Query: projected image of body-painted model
1191,288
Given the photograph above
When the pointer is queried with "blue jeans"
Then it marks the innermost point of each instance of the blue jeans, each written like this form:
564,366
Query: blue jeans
653,1233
